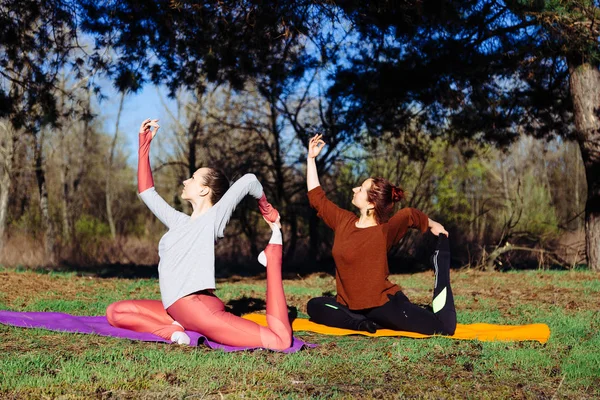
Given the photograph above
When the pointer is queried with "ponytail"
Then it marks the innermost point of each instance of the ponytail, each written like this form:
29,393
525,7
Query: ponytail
218,183
397,194
383,195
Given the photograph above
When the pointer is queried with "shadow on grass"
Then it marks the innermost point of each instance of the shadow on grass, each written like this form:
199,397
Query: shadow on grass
223,270
231,271
293,268
247,305
123,271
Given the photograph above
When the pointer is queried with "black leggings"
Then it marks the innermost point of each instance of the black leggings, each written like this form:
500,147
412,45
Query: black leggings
398,313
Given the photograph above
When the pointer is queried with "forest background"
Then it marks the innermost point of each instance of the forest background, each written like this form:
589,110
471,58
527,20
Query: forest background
485,112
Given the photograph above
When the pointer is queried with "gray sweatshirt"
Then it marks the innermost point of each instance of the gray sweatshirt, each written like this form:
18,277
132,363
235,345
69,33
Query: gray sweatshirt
187,250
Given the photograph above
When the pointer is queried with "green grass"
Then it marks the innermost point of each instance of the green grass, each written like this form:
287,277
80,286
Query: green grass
37,363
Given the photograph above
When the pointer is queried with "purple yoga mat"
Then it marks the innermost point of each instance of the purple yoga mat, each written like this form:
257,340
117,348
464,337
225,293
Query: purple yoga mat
99,326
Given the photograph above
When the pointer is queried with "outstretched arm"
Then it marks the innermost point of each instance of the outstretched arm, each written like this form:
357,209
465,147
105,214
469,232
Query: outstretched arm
314,148
145,136
411,218
247,184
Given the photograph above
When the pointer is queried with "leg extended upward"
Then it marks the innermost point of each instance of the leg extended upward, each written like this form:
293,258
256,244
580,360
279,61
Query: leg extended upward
205,313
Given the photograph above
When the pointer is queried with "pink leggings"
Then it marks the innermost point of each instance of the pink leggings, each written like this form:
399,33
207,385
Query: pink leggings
205,313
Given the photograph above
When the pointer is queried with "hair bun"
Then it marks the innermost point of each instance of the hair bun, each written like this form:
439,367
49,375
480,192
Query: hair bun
397,194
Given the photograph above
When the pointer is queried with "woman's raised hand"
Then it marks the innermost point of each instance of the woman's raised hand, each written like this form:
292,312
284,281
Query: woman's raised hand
147,126
315,144
437,228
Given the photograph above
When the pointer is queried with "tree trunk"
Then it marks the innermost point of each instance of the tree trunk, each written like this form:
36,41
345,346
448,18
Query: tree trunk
81,168
193,134
109,212
74,169
585,91
313,237
293,239
249,230
7,146
577,209
473,224
482,225
40,173
66,200
64,171
490,264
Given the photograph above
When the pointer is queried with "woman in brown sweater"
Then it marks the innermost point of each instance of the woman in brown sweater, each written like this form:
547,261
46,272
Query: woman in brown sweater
366,299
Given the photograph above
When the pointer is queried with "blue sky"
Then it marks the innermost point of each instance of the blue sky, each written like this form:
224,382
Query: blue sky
137,107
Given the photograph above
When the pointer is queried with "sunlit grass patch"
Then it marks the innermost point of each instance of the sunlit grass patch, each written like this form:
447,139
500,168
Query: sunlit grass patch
37,363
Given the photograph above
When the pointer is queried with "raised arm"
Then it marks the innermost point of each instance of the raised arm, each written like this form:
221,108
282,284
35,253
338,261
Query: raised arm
145,136
315,145
159,207
330,213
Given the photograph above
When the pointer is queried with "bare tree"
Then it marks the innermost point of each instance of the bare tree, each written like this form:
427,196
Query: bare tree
40,173
109,170
7,147
73,158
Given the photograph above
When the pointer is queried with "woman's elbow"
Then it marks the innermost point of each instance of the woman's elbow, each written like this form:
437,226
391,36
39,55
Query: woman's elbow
250,177
247,180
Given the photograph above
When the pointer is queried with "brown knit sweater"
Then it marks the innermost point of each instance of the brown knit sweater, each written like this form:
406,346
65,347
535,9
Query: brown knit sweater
360,254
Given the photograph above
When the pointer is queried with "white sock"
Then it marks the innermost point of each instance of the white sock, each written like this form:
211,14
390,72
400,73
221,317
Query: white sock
262,258
180,338
276,238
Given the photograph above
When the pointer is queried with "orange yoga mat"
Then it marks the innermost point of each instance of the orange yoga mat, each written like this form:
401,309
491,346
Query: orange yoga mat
479,331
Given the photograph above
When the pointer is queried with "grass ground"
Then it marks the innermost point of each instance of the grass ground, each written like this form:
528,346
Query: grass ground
41,364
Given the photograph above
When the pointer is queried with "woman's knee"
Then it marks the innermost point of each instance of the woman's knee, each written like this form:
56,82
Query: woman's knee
285,343
111,312
116,310
275,341
315,305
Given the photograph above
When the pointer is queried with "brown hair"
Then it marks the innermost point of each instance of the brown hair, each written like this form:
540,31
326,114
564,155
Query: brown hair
383,195
217,182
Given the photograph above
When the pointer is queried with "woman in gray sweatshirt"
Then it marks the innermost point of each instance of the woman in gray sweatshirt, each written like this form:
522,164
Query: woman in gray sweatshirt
187,262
